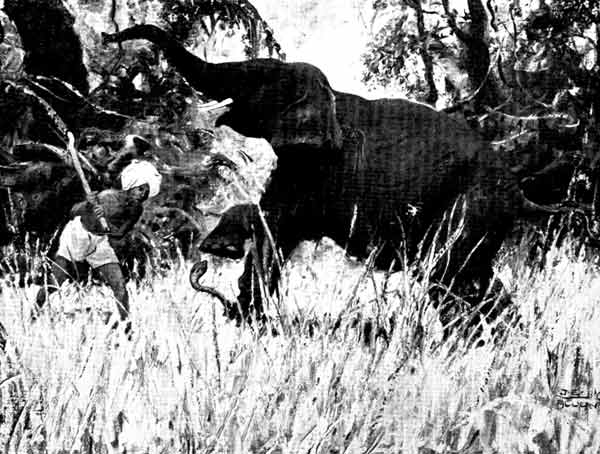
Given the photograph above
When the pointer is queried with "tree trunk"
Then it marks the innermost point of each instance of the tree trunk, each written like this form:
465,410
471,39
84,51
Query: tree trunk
47,33
477,53
432,95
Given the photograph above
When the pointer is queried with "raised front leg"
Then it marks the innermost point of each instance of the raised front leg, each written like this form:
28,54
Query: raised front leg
261,275
250,296
261,269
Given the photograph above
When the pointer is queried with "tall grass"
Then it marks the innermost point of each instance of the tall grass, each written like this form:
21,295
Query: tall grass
191,381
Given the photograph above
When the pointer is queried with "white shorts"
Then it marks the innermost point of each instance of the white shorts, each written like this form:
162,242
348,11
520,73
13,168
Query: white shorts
78,245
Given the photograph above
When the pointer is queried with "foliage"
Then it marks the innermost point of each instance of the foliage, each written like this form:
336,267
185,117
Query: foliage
393,55
190,19
581,13
553,27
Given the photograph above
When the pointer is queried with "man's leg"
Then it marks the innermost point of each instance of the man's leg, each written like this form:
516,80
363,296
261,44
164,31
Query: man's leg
112,275
60,270
106,265
73,243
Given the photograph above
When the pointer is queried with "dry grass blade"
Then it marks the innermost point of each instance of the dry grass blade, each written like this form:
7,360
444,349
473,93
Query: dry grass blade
191,381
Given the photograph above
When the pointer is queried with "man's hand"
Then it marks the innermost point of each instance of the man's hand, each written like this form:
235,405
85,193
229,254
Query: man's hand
98,210
92,197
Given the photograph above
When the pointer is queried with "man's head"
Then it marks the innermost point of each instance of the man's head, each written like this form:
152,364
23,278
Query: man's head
141,179
140,193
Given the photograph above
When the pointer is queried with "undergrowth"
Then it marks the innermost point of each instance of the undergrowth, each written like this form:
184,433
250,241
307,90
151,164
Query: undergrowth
190,381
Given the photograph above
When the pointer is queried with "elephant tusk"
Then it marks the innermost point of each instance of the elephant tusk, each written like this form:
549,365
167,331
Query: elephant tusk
214,105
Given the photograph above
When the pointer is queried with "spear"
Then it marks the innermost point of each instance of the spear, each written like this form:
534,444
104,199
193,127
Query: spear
77,165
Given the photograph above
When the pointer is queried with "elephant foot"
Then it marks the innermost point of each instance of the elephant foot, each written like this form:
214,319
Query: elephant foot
251,309
250,300
369,330
244,312
468,315
248,307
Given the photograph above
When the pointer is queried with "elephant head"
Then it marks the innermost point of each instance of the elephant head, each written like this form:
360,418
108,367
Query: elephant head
289,104
234,228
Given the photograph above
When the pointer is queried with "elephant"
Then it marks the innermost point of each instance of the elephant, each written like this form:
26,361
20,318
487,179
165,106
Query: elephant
402,167
291,105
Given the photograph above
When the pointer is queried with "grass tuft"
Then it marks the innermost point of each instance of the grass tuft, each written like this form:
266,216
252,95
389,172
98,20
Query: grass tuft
191,381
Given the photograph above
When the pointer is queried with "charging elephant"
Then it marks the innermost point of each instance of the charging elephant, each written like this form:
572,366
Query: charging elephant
403,166
288,104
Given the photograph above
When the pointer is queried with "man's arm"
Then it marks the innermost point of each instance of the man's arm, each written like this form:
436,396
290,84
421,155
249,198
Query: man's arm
127,226
79,209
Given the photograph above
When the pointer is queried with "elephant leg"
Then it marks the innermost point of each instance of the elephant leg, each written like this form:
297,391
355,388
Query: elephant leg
467,268
250,295
490,298
495,307
486,300
261,270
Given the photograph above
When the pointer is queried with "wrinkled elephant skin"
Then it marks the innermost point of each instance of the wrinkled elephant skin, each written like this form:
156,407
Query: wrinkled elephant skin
403,166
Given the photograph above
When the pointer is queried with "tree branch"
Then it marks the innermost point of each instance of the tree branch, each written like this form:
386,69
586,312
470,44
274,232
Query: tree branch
478,19
432,96
451,16
490,8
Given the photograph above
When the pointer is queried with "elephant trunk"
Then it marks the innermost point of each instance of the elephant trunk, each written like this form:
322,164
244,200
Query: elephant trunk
187,64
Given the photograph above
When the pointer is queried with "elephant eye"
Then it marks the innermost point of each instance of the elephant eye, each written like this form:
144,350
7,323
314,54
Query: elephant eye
306,113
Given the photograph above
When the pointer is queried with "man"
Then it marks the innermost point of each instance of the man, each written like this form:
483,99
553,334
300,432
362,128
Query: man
84,242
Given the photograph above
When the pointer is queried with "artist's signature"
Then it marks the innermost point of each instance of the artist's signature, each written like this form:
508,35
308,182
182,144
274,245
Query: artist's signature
571,398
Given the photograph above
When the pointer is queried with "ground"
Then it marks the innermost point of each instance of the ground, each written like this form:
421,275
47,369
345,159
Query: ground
191,381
